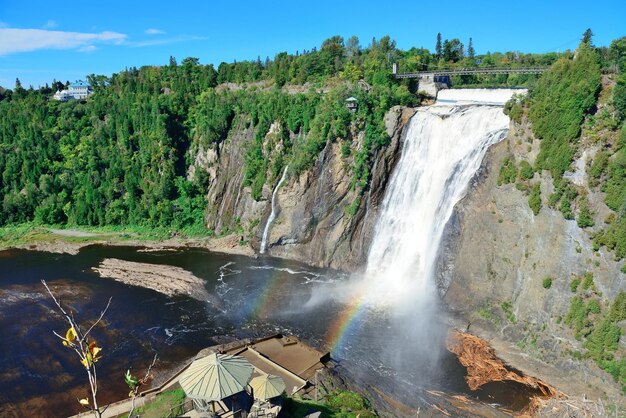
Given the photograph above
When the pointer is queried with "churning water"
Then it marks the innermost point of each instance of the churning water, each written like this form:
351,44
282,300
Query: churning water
444,147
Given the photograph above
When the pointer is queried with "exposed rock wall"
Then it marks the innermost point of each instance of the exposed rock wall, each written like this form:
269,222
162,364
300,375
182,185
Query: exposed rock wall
312,222
492,267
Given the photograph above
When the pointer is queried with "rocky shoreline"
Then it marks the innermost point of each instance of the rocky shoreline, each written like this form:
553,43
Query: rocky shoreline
60,241
165,279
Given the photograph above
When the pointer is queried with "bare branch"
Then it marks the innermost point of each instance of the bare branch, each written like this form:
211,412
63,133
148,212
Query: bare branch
80,345
154,360
106,308
141,382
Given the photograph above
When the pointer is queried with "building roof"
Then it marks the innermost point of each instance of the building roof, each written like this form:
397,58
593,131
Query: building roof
351,99
80,83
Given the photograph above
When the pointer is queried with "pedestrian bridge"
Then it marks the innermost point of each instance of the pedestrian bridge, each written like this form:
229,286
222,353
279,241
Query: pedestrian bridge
432,75
430,82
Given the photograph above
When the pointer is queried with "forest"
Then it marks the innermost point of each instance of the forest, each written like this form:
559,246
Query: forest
122,157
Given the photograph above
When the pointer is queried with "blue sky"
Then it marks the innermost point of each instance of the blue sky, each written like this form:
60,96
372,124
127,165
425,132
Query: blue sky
43,40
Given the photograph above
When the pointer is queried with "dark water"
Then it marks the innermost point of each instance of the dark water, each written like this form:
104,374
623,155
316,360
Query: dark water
253,297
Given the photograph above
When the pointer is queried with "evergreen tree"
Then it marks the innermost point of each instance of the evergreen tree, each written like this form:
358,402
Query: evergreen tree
470,49
587,37
173,62
18,84
438,50
452,50
353,48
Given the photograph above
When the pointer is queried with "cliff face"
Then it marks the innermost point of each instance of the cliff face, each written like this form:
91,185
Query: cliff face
496,257
313,224
312,221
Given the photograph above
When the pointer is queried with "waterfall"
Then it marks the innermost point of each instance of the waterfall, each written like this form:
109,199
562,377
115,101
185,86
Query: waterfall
444,147
273,214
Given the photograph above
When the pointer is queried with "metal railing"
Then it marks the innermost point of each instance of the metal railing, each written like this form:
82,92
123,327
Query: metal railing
470,71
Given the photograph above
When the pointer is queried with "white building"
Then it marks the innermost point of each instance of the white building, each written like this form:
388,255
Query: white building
78,90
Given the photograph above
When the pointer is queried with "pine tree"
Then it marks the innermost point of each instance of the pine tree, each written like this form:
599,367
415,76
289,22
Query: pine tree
18,84
470,49
587,37
438,46
173,62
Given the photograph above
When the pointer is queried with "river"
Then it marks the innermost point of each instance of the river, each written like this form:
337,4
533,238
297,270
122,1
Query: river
257,296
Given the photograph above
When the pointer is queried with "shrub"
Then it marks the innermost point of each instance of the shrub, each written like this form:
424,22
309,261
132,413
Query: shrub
526,171
585,218
547,282
588,282
617,312
534,200
574,284
593,306
598,166
508,172
560,100
507,307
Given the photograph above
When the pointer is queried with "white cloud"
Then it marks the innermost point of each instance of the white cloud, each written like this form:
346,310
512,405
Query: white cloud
87,48
153,31
166,41
50,24
23,40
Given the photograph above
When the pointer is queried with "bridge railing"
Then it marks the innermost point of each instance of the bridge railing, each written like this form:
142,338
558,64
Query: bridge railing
472,70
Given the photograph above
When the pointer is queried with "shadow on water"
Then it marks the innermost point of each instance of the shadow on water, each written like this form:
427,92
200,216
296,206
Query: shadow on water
40,377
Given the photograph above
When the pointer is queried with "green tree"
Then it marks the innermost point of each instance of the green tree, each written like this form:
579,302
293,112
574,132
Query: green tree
588,37
452,50
534,200
470,50
438,47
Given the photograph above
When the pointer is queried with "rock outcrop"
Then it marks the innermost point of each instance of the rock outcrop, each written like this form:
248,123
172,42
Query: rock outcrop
494,262
312,223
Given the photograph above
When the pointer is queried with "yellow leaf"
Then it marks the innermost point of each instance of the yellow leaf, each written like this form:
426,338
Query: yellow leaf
84,402
94,350
70,334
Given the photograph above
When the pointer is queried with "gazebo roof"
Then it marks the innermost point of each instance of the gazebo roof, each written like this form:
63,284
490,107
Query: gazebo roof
351,99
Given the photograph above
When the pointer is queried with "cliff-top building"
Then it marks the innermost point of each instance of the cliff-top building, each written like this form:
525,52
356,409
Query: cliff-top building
78,90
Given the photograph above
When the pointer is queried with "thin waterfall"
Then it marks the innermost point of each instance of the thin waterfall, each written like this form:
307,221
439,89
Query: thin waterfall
444,147
273,214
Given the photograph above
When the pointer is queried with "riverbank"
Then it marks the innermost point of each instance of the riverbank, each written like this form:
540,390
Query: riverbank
61,240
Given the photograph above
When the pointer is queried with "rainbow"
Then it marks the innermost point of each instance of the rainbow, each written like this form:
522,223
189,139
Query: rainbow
261,307
345,323
338,331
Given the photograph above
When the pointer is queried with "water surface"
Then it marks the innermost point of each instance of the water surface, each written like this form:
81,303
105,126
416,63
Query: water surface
255,297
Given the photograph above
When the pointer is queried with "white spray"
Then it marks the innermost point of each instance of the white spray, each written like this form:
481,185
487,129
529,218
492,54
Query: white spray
273,214
444,147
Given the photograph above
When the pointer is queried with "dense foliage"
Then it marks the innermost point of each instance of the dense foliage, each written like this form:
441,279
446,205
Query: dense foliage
562,97
597,326
119,158
123,156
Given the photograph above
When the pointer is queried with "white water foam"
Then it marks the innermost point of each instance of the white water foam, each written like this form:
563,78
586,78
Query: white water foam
444,147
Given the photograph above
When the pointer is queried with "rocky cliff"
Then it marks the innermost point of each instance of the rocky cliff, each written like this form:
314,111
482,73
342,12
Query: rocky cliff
507,274
313,223
496,258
